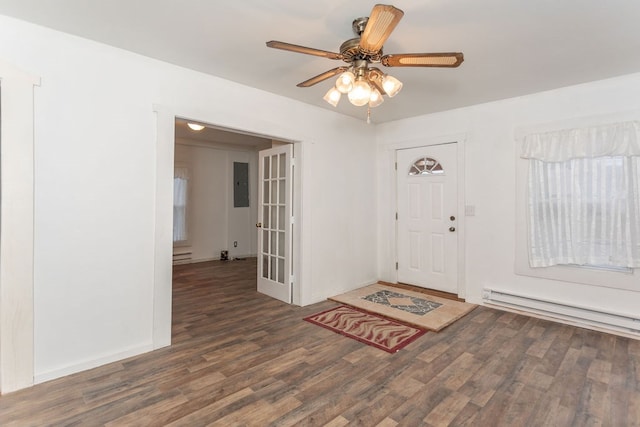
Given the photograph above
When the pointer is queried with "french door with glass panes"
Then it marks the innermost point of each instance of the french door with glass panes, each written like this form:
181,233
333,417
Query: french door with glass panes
274,222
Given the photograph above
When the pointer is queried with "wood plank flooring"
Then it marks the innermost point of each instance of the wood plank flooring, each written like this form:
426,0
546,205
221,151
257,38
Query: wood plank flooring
241,358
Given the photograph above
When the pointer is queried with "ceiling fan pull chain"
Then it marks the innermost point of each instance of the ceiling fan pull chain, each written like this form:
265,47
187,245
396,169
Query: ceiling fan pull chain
368,115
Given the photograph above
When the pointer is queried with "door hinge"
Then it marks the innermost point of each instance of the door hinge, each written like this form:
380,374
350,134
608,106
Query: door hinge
396,265
396,166
396,216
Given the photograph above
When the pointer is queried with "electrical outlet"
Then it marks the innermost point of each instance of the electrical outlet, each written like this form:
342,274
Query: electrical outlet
235,243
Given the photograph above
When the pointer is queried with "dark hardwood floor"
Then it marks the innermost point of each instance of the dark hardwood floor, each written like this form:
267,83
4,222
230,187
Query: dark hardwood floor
241,358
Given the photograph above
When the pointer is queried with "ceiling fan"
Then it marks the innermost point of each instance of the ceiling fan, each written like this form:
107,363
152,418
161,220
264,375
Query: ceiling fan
365,84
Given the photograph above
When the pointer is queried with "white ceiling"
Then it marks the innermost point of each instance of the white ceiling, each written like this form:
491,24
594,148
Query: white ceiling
511,47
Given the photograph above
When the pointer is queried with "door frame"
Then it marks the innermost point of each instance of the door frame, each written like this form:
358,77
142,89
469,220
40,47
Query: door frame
163,224
388,229
17,186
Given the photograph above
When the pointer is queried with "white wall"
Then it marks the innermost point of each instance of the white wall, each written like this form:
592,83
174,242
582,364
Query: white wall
488,132
95,189
213,222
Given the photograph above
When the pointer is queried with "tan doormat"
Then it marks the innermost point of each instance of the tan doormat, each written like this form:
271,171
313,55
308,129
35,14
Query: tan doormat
414,308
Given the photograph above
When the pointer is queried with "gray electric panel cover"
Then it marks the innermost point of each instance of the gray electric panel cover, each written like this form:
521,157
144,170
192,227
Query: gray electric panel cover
240,185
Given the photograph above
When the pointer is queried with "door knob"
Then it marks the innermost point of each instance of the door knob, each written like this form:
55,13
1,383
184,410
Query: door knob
452,229
259,225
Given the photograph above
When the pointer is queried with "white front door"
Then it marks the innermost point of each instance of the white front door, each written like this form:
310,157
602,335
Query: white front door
274,222
427,217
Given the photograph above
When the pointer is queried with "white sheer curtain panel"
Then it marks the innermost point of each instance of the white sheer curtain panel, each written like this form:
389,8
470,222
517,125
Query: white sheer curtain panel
584,196
180,188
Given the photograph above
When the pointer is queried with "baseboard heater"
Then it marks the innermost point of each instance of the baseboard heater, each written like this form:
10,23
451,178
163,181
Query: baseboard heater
587,316
183,257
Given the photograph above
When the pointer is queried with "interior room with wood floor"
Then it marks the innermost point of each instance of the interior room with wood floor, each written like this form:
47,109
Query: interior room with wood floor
241,358
485,153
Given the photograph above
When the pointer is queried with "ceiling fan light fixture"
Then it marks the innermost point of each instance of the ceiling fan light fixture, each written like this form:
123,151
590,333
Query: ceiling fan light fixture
376,98
391,85
363,84
332,96
196,127
345,82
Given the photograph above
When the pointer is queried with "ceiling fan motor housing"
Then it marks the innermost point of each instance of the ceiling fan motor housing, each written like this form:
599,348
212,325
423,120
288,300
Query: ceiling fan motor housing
351,51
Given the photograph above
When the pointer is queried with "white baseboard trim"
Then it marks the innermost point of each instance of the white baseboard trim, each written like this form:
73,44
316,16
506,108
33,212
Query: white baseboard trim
244,256
196,260
90,364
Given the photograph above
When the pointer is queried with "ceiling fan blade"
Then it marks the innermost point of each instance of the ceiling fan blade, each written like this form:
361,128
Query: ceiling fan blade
382,21
322,77
302,49
449,59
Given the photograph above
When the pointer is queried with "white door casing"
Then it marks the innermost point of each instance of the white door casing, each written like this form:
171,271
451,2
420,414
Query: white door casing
17,213
427,181
275,219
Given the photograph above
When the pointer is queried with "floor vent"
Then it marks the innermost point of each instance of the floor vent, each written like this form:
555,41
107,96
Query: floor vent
626,323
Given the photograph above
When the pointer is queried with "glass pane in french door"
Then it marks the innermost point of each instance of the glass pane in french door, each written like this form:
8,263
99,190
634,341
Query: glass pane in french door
273,221
265,266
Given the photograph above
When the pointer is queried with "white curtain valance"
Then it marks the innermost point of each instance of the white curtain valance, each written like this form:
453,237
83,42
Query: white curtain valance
182,173
616,139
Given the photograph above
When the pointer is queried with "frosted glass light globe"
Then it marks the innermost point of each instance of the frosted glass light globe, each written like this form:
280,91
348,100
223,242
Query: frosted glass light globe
332,96
375,99
360,93
391,86
345,82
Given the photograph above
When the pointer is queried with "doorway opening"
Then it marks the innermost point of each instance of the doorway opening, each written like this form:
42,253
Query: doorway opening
223,207
210,220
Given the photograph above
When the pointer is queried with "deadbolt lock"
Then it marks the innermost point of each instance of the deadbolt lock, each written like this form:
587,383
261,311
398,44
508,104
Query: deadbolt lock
452,218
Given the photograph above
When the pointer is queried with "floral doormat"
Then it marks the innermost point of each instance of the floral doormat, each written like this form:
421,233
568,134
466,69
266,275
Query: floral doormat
380,332
409,307
419,306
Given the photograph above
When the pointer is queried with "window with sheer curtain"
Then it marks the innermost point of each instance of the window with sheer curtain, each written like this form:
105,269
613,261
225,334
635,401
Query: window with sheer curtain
584,196
180,189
